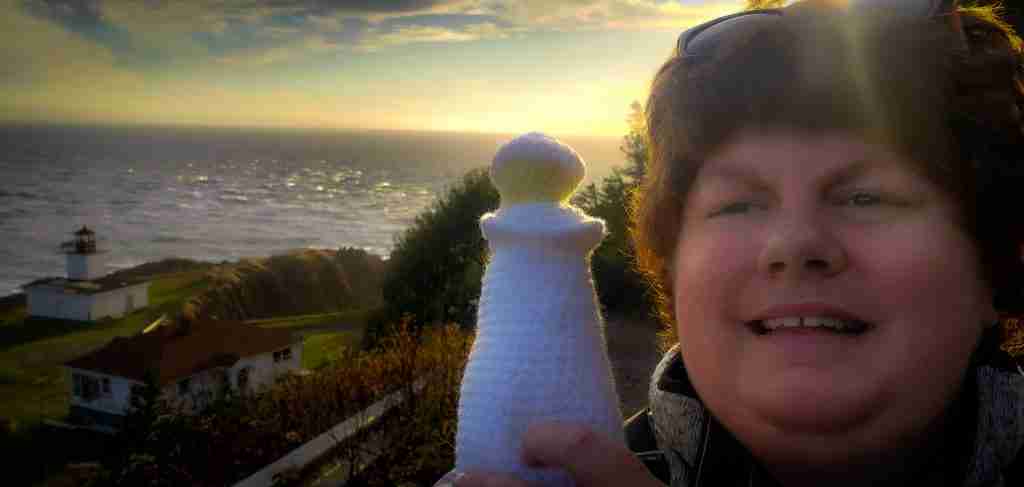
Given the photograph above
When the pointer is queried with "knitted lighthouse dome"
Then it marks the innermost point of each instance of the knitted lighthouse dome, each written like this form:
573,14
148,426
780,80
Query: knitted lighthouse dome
540,352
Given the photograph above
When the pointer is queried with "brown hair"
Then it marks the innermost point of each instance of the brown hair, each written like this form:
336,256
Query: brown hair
913,85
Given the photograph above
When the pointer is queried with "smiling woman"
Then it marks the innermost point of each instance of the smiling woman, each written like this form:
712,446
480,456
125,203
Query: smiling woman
832,258
823,217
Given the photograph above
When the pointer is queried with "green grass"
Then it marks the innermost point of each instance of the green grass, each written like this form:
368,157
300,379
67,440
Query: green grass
321,348
32,380
355,318
12,316
325,333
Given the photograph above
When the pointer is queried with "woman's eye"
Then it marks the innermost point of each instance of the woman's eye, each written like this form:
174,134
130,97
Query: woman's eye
734,208
862,198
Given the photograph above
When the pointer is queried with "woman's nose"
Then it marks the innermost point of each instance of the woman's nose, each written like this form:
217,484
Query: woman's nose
802,247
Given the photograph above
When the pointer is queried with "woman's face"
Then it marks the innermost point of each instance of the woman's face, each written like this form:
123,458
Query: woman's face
796,229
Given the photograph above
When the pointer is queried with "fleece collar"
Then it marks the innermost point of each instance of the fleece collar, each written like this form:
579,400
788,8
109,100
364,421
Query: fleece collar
701,452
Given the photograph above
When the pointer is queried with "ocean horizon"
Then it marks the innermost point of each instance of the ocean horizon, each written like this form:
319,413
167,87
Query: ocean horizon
221,193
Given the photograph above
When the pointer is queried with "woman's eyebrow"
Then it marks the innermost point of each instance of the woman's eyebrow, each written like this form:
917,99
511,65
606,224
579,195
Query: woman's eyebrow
852,171
726,173
742,175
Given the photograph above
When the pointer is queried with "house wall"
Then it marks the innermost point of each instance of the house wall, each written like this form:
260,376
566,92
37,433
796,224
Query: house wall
86,267
114,303
204,387
263,369
55,303
116,402
52,302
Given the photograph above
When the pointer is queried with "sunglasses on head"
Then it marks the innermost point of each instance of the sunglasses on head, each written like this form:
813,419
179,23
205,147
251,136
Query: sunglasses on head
702,39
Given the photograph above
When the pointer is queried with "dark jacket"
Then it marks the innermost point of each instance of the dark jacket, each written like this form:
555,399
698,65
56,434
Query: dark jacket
685,446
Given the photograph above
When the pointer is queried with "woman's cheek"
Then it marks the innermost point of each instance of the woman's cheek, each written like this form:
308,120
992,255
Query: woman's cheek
713,268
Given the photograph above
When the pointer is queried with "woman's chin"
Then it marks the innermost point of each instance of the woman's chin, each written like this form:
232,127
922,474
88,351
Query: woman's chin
811,402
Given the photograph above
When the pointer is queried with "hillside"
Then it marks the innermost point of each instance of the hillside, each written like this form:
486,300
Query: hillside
297,283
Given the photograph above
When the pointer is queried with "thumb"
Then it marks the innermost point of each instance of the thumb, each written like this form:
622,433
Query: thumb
591,458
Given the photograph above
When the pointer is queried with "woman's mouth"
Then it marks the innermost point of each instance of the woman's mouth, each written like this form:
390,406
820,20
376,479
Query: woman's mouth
809,324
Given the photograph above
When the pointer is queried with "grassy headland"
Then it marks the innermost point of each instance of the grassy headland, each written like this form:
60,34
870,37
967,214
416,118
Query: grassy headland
328,283
32,350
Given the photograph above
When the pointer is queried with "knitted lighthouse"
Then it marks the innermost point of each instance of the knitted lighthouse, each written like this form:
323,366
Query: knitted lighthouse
540,351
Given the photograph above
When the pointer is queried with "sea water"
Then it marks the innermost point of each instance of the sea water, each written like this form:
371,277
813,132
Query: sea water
219,194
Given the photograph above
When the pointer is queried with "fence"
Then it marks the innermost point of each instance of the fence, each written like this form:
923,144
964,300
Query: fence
321,445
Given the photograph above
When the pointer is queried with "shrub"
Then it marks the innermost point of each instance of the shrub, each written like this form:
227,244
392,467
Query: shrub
237,436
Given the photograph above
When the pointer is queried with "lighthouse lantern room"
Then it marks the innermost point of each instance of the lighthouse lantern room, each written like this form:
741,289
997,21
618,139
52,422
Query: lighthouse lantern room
86,294
84,261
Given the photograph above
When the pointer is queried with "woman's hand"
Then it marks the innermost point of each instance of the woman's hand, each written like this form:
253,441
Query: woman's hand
592,459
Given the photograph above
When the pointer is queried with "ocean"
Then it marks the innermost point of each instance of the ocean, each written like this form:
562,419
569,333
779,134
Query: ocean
224,194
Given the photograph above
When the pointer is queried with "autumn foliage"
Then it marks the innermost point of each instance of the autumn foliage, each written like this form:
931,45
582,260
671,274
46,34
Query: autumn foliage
240,435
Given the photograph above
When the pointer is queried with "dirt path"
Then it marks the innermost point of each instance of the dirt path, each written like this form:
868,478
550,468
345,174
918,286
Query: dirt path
633,351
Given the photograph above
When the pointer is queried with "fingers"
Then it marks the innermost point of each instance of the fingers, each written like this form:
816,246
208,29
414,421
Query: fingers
480,479
592,459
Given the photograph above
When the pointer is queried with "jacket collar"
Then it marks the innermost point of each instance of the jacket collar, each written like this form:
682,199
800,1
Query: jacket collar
701,452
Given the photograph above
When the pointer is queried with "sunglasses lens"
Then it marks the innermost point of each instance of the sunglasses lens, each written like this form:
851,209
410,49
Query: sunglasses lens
705,40
918,9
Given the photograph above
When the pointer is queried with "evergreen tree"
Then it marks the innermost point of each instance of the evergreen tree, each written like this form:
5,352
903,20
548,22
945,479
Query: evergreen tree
619,286
437,264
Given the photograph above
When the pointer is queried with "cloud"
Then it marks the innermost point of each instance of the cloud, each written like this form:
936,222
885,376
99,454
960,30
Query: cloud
154,34
85,18
362,6
572,15
414,34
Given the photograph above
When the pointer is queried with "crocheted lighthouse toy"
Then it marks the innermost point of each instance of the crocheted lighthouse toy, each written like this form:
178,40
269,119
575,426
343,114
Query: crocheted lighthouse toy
540,351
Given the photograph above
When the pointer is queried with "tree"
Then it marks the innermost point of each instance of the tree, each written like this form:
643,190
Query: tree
437,264
758,4
145,409
619,286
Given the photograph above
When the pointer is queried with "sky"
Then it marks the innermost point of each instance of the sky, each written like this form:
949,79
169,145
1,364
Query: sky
569,67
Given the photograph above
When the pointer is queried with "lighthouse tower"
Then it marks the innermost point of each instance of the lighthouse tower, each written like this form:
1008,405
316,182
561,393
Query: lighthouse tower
84,261
87,293
540,352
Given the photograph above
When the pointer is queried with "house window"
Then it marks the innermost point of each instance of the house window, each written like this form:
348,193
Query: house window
137,392
184,385
85,387
282,355
243,380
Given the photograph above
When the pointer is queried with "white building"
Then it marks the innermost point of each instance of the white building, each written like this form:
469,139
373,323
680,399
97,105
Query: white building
85,294
192,365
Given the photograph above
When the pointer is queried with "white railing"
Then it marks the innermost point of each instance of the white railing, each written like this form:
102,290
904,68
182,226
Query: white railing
154,325
321,445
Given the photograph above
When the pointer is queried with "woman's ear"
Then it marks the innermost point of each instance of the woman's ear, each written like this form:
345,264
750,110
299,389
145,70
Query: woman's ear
956,23
989,343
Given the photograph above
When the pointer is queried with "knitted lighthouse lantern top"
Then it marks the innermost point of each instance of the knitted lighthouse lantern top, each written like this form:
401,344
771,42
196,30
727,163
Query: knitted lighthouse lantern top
540,352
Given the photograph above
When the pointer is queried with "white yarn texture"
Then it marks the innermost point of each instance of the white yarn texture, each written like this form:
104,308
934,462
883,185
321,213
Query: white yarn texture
540,350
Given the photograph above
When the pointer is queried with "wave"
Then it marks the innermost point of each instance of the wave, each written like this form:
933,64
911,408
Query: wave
123,202
168,239
19,194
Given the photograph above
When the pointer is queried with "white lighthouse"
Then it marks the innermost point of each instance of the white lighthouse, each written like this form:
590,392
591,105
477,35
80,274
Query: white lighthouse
86,294
540,352
84,261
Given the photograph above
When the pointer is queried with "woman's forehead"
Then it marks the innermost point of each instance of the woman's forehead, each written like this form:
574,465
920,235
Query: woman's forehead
754,157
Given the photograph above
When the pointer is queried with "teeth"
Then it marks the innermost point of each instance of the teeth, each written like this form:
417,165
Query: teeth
810,322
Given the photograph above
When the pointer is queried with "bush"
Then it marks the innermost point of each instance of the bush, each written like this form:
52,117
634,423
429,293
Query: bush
419,435
237,436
